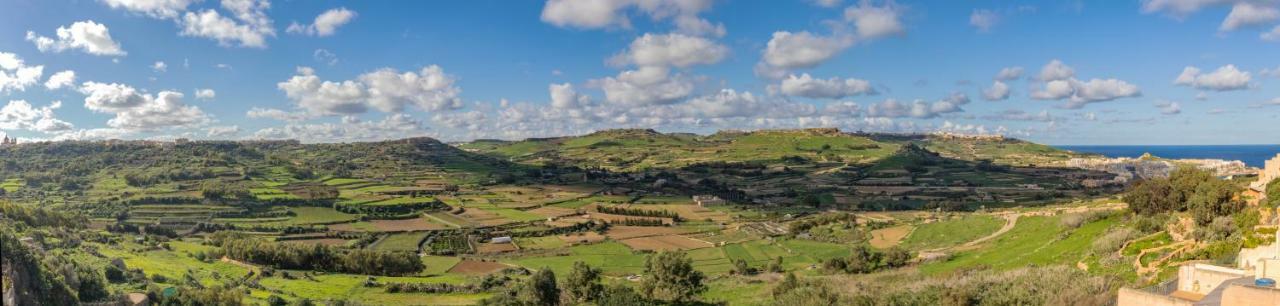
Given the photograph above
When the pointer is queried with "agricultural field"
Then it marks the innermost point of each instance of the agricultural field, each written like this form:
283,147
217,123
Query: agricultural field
419,211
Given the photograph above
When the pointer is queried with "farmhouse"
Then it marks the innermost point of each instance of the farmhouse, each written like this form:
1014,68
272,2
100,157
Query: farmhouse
708,200
503,239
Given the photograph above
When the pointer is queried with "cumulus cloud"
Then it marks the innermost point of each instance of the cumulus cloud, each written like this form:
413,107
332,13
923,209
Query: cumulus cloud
564,96
1246,14
1169,107
16,75
1009,73
20,115
271,113
875,21
1059,83
324,56
159,67
153,8
61,79
998,91
223,131
918,109
1021,115
787,50
599,14
386,90
984,19
88,36
139,111
325,24
205,93
1273,35
249,28
1056,70
349,129
833,88
674,49
646,86
1226,78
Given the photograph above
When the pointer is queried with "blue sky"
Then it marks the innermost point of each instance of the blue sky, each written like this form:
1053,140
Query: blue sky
1076,72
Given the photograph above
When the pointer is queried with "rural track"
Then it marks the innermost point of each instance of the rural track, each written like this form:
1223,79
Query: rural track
1011,220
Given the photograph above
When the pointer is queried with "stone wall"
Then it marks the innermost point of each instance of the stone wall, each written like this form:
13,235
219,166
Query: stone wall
1250,295
1202,278
1134,297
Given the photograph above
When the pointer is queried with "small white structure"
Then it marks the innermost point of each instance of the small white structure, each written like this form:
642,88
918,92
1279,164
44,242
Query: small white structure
708,200
503,239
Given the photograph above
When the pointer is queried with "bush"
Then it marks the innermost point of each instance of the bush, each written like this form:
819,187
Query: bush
1112,241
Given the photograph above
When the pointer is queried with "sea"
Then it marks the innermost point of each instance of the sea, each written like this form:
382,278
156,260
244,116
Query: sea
1252,155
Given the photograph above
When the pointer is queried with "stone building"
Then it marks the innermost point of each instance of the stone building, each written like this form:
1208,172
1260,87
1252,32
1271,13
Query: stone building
1205,284
1270,171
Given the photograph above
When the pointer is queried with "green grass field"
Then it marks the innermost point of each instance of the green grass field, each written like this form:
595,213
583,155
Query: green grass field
951,232
404,242
1038,240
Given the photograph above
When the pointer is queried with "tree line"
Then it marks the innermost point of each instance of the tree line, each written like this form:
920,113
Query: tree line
315,256
1187,189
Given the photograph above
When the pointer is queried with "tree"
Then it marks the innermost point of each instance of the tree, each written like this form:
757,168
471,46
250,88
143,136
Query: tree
862,260
1273,193
670,276
583,283
1184,182
776,266
1214,198
621,295
540,289
741,267
896,257
1150,197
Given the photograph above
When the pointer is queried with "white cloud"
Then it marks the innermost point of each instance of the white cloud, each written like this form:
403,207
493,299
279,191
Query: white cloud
646,86
875,22
919,109
998,91
324,56
833,88
983,19
88,36
1020,115
223,131
1009,73
788,50
325,24
271,113
1274,35
15,74
250,28
1060,83
205,93
1270,72
1056,70
599,14
160,67
1178,8
563,96
1246,14
153,8
675,49
826,3
61,79
1226,78
394,126
386,90
1169,107
138,111
20,115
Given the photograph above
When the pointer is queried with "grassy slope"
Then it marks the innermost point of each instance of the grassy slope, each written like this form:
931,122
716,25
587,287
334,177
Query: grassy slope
1039,240
951,232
